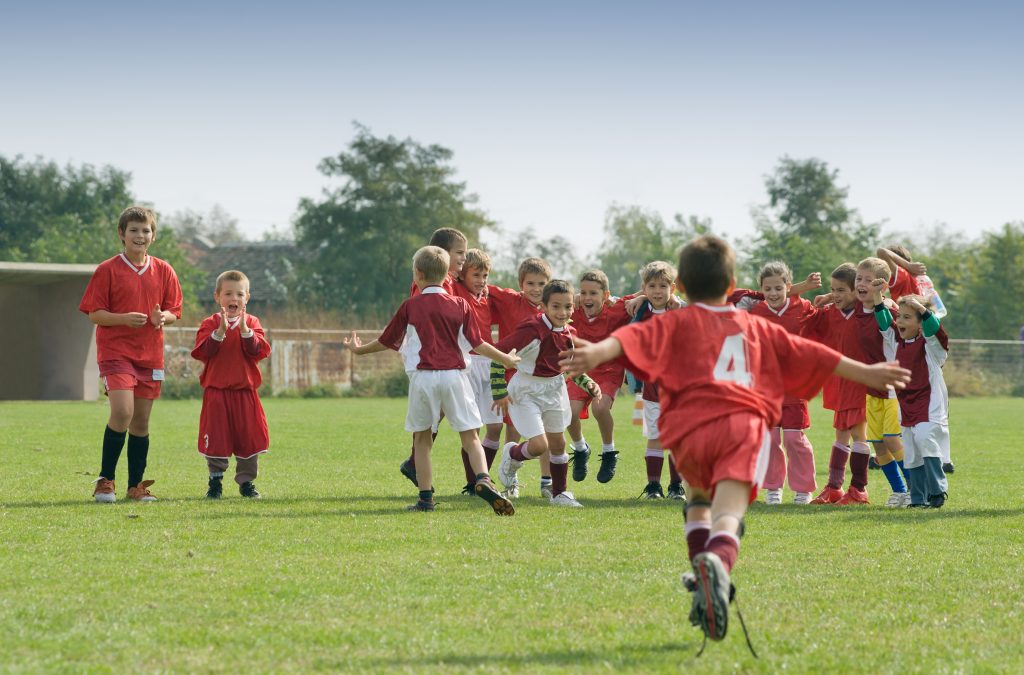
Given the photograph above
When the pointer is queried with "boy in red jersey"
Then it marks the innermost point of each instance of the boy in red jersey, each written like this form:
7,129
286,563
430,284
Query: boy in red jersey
718,404
537,400
230,344
434,332
130,298
593,321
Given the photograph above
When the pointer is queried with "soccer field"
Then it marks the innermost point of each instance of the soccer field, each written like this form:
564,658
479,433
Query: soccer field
329,572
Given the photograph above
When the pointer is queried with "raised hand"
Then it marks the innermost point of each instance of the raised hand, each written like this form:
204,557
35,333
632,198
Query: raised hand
354,341
156,317
813,281
917,269
222,327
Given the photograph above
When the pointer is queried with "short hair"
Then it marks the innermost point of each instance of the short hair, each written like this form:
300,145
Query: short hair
846,273
901,251
596,276
707,268
905,301
877,267
230,275
775,268
432,262
556,286
136,214
534,266
446,237
659,269
477,259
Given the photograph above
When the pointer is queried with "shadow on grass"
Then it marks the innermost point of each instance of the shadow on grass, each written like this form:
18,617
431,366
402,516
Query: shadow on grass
907,516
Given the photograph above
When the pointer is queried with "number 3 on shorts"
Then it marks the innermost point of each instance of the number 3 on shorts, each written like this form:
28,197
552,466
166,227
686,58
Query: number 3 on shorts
732,362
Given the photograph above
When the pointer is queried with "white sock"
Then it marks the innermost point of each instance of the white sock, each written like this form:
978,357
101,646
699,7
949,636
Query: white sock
607,447
580,444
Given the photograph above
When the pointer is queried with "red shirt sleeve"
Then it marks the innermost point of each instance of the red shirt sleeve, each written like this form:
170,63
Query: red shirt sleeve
204,350
257,346
172,292
643,345
805,364
814,325
97,293
394,332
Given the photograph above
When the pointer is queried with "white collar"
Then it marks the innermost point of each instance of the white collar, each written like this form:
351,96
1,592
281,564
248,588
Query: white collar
138,270
233,323
430,290
716,308
547,322
780,311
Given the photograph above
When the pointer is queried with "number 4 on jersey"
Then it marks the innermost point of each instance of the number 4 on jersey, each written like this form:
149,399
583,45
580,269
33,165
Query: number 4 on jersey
732,362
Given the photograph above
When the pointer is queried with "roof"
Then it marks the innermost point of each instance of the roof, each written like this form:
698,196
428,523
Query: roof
42,273
270,266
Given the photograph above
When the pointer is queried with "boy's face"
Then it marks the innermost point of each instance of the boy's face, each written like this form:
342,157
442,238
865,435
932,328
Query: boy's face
843,296
657,292
457,256
775,290
908,323
559,308
137,238
475,279
532,287
592,297
862,285
232,297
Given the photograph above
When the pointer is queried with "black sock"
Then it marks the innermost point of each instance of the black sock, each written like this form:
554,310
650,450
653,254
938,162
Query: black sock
113,443
483,476
426,495
138,451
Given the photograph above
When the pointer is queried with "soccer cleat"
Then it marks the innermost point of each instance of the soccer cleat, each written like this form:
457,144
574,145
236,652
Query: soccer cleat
566,499
607,469
854,496
652,491
141,493
676,491
248,489
507,470
948,467
895,500
545,489
104,492
501,505
905,502
937,501
579,464
773,497
215,489
421,505
873,463
470,489
409,471
802,498
829,495
511,493
711,596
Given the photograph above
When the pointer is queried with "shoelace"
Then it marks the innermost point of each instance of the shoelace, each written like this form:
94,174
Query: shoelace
743,625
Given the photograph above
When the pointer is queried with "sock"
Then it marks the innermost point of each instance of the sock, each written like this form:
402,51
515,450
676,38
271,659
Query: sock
426,496
697,534
518,452
726,546
490,451
559,471
467,468
545,480
654,465
580,444
113,443
217,474
673,472
837,465
859,465
485,477
903,470
892,474
138,451
607,447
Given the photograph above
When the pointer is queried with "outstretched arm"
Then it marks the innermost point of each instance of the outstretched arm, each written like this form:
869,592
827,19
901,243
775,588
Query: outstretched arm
811,283
876,375
357,346
894,261
589,355
490,351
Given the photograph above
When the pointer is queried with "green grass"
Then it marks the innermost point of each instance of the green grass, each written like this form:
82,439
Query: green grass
330,573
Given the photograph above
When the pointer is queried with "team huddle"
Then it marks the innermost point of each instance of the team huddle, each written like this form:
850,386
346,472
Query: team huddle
724,375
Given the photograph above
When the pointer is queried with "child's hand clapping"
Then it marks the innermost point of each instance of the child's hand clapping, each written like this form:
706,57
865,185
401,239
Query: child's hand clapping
222,328
353,341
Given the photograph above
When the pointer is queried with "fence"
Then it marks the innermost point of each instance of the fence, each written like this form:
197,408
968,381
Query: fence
317,358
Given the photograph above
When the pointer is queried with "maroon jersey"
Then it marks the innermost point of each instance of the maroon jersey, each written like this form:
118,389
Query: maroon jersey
925,398
231,363
734,363
835,328
538,343
870,342
597,328
478,306
118,286
448,286
432,331
509,309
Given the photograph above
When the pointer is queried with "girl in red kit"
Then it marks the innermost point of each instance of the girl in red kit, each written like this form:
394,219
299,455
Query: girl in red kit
230,344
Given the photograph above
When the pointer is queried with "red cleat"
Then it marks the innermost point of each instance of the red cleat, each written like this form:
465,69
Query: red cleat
829,495
854,496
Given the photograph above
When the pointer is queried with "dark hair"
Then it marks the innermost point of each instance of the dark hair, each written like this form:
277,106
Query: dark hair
596,276
846,273
707,267
136,214
556,286
445,237
775,268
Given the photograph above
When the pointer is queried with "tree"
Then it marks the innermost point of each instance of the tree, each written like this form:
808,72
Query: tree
635,236
806,222
997,285
217,225
362,234
558,251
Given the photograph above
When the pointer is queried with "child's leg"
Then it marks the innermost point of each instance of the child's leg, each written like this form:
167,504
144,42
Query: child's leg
482,486
697,515
860,454
138,440
914,463
602,411
422,441
217,466
890,456
654,457
122,408
727,510
775,476
801,461
559,462
492,443
247,469
839,458
576,425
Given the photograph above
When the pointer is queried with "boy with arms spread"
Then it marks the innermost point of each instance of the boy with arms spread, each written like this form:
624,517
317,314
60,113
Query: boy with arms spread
718,404
230,344
434,332
130,298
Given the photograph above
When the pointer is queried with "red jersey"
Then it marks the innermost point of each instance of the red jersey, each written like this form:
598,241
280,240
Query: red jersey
510,308
432,331
538,343
478,306
837,329
231,363
650,392
597,328
870,343
734,363
790,316
903,283
447,285
118,286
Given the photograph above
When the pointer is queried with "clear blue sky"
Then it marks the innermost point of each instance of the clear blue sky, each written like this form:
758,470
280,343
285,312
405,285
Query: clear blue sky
553,110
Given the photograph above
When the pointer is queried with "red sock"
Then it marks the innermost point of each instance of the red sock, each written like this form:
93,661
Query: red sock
518,452
859,469
837,465
676,478
490,451
697,536
558,478
654,465
468,468
726,546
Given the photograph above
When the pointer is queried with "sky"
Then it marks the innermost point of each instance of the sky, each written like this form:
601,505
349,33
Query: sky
553,110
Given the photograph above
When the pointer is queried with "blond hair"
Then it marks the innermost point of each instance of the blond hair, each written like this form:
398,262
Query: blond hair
432,262
658,270
231,275
136,214
904,301
596,276
534,266
477,259
878,267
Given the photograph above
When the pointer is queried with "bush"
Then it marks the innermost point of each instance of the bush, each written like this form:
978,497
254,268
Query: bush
393,384
963,382
180,388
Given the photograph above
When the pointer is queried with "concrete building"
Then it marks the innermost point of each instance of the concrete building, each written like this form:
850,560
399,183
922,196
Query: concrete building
47,347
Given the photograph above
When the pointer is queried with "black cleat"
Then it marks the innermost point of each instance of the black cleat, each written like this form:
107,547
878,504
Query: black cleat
676,491
873,463
248,490
652,491
469,489
579,464
502,506
937,501
947,467
421,505
215,489
409,471
609,460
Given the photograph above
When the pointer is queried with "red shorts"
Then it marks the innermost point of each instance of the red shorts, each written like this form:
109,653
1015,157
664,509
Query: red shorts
848,418
795,416
729,448
232,422
142,388
609,383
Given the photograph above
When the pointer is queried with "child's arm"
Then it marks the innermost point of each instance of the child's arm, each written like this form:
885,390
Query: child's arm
508,360
878,376
589,355
894,260
930,323
811,283
102,317
255,342
357,346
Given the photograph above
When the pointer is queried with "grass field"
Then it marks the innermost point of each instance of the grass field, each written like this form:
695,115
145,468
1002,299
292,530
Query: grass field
329,572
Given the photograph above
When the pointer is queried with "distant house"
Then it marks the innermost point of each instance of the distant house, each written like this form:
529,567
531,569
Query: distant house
270,265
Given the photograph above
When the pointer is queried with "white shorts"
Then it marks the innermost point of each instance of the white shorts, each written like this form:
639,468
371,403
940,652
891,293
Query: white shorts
652,411
927,439
539,404
432,392
480,379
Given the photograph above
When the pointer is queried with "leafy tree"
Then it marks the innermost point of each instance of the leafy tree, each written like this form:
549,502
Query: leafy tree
997,286
362,234
217,225
558,251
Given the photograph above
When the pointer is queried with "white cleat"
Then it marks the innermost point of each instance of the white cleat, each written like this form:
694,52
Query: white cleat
545,490
802,498
773,497
507,471
511,493
895,500
905,501
566,499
